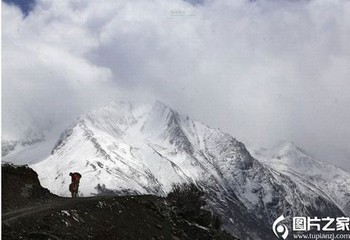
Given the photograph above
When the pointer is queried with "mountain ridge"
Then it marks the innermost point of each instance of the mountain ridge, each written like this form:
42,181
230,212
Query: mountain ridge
146,149
302,167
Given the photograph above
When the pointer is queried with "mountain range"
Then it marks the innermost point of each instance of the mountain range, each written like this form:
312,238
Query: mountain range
129,149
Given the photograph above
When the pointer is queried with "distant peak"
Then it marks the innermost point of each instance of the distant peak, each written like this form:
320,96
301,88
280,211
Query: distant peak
286,144
288,147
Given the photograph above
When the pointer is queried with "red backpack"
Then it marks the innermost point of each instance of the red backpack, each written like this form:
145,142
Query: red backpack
76,177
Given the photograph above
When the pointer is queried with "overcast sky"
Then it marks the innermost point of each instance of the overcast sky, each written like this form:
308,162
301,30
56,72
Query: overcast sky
263,71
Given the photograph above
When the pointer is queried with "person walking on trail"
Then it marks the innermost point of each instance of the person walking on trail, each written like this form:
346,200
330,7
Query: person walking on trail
74,186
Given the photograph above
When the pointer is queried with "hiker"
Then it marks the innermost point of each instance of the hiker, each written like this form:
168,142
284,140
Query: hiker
74,186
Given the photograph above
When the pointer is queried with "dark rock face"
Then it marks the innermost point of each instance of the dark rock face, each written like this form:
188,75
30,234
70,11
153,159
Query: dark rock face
21,188
32,212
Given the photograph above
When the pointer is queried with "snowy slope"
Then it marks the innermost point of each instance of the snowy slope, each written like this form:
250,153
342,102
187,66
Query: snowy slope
296,163
148,148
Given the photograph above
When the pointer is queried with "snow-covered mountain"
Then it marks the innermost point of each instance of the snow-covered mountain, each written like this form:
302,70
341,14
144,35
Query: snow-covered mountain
146,149
300,166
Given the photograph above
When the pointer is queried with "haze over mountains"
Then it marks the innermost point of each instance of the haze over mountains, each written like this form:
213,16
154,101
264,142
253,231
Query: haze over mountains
145,149
260,70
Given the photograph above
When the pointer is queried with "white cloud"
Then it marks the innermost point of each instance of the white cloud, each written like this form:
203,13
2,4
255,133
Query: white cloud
262,70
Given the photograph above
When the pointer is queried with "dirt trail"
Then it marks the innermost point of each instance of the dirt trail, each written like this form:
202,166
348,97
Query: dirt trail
54,204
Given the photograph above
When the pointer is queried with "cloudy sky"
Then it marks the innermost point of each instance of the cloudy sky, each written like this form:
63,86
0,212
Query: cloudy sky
263,70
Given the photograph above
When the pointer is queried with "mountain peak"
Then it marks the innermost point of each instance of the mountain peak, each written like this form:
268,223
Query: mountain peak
288,147
159,106
160,115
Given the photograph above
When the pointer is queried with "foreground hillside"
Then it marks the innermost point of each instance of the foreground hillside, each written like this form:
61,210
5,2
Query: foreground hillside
32,212
21,188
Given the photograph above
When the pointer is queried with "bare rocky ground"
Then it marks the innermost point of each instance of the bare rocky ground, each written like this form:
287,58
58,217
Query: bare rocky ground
32,212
